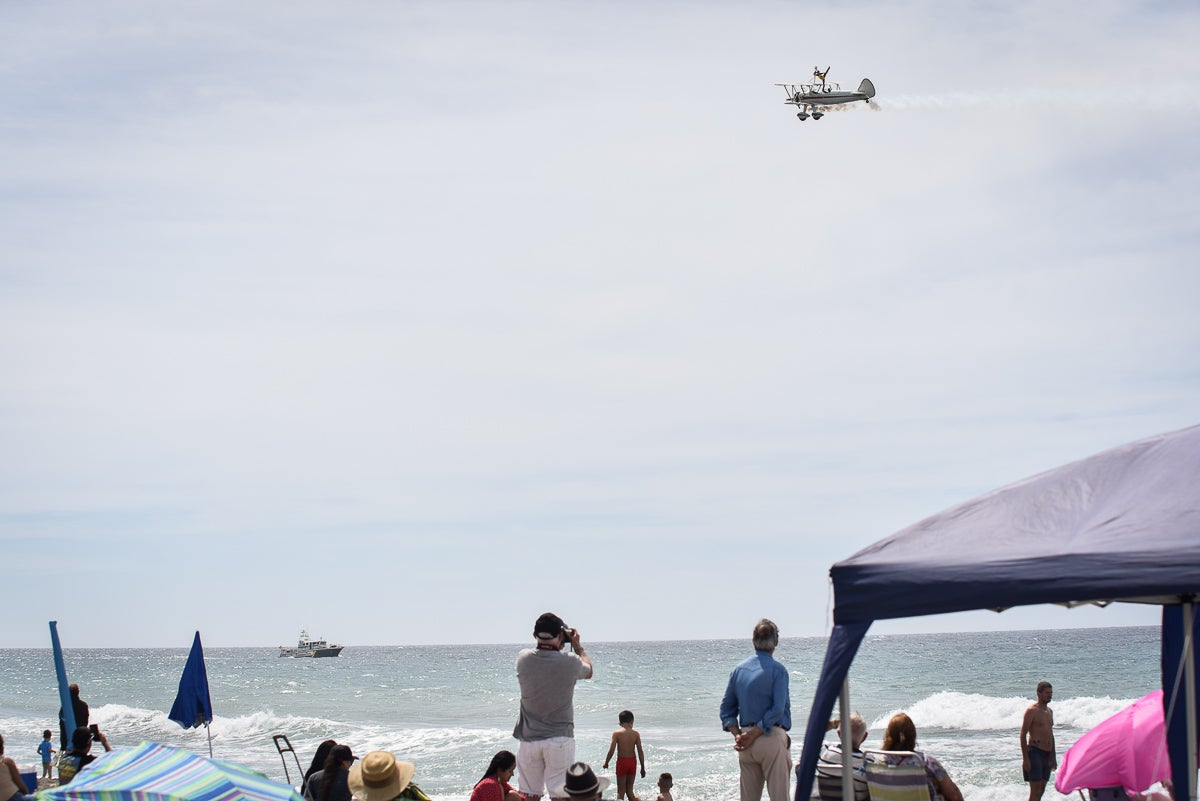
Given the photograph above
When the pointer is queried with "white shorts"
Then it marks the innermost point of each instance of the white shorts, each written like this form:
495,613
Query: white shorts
543,764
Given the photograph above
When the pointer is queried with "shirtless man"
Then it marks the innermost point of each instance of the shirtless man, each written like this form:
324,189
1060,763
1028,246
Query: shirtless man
1038,756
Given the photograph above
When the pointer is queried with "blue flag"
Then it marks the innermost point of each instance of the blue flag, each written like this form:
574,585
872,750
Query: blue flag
192,706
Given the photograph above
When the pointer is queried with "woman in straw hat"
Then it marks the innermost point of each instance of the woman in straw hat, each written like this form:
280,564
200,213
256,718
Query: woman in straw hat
380,777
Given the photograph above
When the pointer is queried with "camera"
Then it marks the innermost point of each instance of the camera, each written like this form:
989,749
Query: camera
567,634
95,731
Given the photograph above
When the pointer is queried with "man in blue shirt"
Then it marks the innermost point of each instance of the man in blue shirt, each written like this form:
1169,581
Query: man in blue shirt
757,711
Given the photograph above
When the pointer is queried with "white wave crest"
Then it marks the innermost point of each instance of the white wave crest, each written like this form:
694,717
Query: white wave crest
134,723
976,712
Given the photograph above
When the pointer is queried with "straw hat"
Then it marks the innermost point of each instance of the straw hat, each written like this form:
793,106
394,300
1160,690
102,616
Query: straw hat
580,782
379,777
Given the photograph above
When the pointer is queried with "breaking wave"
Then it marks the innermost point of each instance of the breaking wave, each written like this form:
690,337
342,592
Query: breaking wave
976,712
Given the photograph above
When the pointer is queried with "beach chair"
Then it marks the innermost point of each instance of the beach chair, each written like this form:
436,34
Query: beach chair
904,782
829,774
1107,794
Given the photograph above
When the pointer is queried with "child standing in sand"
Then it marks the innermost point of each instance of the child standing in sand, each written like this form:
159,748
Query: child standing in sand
626,742
46,749
665,783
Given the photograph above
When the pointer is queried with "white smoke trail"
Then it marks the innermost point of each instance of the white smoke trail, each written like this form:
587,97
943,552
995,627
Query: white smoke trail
1176,97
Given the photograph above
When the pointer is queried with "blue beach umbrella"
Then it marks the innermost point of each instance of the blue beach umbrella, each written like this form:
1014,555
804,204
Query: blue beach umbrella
64,692
193,706
153,772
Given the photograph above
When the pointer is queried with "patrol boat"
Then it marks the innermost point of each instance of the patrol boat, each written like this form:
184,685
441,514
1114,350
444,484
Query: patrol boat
308,647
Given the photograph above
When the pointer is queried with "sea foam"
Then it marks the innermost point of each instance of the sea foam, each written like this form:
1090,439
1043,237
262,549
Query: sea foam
977,712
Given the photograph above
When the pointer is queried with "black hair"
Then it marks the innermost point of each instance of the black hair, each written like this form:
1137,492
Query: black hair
503,760
81,738
333,766
625,717
318,762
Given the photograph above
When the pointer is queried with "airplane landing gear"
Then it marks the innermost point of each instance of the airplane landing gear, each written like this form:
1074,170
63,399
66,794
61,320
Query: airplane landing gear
802,116
816,115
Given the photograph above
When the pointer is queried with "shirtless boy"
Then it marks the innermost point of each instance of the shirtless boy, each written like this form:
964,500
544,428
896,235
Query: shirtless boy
665,783
1038,756
626,742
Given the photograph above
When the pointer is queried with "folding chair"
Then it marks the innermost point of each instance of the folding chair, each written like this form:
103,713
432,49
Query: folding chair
886,782
829,775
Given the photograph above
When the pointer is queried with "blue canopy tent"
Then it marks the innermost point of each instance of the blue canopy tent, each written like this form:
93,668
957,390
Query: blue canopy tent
1123,525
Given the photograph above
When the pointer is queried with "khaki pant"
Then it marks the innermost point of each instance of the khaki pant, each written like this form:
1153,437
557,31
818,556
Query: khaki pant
767,761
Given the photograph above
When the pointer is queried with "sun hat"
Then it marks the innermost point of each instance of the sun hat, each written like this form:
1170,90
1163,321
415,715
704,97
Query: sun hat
580,782
548,626
379,776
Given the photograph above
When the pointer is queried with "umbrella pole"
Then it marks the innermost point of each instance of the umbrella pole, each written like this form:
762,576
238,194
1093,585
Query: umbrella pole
208,731
1189,690
847,742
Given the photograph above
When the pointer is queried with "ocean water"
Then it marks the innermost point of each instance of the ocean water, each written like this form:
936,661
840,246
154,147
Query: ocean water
449,708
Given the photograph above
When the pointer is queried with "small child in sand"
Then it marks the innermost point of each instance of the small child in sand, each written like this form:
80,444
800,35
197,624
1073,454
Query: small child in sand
665,783
626,742
46,748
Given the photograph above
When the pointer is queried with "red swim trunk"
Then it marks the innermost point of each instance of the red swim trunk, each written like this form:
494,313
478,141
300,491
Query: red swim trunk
626,766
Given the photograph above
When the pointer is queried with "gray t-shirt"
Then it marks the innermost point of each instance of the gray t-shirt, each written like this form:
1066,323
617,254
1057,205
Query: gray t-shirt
547,681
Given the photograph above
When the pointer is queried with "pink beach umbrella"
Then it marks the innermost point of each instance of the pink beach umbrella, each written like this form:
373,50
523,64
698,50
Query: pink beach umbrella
1129,749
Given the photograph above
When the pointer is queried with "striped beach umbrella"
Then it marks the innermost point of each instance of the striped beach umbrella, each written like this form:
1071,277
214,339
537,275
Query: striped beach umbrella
153,772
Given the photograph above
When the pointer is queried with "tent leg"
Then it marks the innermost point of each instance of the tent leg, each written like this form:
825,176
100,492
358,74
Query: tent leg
848,742
1189,690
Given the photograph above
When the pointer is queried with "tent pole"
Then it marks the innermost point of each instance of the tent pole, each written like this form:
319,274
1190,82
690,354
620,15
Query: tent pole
1189,689
848,742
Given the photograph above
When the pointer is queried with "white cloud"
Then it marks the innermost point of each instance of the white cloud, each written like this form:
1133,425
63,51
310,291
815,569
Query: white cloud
457,286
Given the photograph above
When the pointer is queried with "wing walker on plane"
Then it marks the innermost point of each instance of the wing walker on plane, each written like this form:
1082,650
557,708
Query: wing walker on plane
813,98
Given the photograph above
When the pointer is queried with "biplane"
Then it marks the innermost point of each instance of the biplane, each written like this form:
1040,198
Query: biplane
813,98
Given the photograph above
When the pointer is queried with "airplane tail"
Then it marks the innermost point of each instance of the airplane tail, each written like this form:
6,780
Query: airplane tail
866,87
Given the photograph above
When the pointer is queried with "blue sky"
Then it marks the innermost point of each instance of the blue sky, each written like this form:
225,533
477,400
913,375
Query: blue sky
408,321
